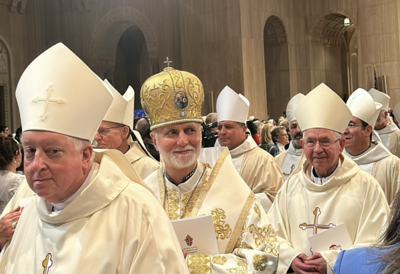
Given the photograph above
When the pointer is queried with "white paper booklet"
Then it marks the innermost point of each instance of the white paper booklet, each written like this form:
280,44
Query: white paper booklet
336,238
196,235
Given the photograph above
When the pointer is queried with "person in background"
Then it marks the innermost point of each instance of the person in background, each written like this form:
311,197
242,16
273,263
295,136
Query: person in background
143,127
4,130
266,141
10,160
280,139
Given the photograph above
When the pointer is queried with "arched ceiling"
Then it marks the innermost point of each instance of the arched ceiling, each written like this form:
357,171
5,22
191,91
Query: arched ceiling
331,29
274,31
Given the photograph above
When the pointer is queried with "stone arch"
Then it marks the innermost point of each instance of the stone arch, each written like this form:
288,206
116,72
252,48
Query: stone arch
334,47
8,115
276,54
108,31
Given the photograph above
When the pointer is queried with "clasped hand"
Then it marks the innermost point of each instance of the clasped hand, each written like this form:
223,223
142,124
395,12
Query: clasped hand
314,264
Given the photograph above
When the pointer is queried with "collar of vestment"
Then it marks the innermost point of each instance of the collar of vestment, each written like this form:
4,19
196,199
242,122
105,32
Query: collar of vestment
376,152
345,170
294,151
221,193
321,180
388,129
113,176
135,152
189,183
281,147
61,205
247,145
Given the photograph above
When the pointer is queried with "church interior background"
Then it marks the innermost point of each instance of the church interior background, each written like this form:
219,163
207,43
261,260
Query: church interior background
268,50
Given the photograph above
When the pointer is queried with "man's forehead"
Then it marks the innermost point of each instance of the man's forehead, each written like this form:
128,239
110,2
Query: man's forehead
227,122
107,124
43,136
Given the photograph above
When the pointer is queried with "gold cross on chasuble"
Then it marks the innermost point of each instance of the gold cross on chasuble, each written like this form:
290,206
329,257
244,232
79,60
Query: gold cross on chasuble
47,263
47,100
315,226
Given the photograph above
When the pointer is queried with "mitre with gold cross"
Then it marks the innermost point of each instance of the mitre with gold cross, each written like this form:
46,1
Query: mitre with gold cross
59,93
171,97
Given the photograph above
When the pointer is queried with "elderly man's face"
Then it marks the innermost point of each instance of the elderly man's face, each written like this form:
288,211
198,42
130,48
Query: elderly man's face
322,157
110,135
231,134
295,134
53,168
179,144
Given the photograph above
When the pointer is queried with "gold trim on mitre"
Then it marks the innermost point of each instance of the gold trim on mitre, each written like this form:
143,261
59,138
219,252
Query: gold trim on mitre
172,97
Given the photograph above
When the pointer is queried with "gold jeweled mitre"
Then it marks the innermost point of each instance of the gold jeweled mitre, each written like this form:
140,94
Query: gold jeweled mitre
171,97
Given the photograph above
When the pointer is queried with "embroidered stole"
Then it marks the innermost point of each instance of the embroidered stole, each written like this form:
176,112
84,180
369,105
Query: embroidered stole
221,193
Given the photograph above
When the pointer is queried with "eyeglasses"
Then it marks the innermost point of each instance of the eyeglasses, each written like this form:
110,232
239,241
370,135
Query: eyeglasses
104,131
324,143
352,125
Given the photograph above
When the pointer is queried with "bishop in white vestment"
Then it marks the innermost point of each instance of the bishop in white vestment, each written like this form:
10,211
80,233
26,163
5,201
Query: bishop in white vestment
290,160
115,129
388,132
256,166
371,156
330,190
88,215
187,187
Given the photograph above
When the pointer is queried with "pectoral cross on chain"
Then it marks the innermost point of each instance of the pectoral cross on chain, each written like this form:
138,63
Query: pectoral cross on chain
315,226
167,62
47,263
47,100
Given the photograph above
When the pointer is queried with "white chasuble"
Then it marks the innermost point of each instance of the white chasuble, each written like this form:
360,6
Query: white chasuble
290,160
141,161
390,136
303,208
382,165
112,226
257,167
247,243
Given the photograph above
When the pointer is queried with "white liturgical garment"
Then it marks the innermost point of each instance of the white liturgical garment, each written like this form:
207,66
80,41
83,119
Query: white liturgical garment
390,137
112,226
246,242
382,165
303,208
289,160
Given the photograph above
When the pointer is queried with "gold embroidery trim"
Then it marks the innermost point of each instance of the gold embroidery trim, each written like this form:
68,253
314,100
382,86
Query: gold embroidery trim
257,210
221,260
222,230
267,235
210,181
240,223
241,269
199,263
260,262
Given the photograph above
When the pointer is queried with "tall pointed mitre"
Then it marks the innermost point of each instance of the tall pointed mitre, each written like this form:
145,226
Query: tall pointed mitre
171,97
232,106
362,106
121,109
57,92
292,105
322,108
396,111
381,98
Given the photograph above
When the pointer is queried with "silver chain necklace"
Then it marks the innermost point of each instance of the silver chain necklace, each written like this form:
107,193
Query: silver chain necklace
191,195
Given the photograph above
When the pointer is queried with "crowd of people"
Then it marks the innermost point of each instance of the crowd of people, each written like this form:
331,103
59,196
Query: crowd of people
98,189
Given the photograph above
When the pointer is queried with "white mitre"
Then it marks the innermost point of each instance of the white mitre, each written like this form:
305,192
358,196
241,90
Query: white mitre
362,106
381,98
322,108
232,106
292,105
57,92
121,109
396,111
